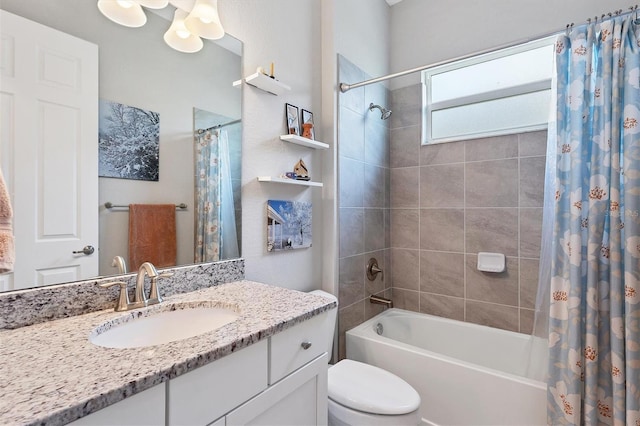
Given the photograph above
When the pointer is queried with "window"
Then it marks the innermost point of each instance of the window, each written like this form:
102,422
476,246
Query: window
497,93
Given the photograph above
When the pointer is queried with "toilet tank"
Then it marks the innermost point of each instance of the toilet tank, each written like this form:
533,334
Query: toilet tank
333,315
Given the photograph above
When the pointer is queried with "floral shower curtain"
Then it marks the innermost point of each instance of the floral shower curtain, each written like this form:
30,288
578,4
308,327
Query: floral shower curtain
207,197
594,329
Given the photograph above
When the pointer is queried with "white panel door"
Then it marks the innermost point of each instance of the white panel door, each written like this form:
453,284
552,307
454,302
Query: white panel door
49,151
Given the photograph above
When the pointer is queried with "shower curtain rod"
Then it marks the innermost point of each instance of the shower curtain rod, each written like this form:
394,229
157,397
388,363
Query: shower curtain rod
217,126
344,87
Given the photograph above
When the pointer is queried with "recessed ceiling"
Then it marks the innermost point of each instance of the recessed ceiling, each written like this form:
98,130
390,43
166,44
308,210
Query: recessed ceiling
392,2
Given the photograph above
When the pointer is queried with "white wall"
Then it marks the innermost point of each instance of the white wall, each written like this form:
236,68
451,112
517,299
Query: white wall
302,38
362,34
424,32
286,32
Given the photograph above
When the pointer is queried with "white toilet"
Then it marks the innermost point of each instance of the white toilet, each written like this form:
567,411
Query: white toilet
362,394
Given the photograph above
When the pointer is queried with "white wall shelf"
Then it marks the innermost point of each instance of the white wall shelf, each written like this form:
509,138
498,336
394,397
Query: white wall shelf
309,143
286,181
263,82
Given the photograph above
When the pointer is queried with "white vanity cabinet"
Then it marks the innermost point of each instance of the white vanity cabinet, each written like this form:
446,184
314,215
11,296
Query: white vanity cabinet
297,393
277,381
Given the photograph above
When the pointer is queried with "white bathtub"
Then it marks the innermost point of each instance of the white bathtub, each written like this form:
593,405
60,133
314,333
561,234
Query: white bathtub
466,374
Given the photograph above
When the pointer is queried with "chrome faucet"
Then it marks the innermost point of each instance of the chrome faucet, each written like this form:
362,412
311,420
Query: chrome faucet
118,262
147,268
140,299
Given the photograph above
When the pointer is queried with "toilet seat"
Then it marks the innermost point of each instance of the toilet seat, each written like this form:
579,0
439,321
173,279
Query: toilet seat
370,389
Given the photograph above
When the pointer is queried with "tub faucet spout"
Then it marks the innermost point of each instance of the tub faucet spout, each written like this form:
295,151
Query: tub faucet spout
378,300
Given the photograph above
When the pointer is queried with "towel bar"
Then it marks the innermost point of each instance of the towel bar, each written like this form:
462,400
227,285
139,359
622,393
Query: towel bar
110,205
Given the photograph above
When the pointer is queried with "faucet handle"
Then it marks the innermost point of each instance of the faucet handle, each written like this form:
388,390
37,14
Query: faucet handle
373,269
154,294
123,299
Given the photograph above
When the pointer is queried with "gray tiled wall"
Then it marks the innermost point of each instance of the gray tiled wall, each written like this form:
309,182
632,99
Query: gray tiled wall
363,189
448,202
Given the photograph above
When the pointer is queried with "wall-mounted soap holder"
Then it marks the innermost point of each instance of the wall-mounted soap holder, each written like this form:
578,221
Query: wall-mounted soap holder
491,262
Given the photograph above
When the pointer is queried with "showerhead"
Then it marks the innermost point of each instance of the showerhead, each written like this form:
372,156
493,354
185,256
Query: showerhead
384,113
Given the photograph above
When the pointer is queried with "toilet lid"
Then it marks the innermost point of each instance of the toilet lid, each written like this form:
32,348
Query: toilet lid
367,388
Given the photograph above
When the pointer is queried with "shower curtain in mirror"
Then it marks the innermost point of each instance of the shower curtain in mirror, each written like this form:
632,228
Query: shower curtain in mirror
228,233
207,244
594,324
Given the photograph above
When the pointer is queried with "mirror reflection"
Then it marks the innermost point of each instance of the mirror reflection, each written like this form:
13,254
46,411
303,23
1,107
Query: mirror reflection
218,164
188,92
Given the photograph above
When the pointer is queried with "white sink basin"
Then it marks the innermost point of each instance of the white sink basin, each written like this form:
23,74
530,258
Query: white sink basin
159,327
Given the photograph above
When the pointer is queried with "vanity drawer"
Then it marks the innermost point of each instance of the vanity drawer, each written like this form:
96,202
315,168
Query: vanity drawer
287,349
208,392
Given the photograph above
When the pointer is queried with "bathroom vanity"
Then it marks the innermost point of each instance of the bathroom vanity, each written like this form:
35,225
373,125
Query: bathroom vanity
268,366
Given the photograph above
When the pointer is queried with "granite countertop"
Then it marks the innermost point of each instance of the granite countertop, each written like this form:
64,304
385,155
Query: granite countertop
51,374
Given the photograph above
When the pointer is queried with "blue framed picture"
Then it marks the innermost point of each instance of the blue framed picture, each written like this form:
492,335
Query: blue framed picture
289,225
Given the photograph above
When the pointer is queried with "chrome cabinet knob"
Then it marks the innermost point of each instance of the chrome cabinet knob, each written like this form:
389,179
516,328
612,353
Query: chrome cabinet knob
305,345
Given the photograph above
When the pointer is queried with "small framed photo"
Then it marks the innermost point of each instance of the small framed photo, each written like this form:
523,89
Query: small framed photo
308,131
293,123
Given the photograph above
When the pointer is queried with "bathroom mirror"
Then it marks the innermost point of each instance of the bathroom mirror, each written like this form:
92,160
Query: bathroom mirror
137,68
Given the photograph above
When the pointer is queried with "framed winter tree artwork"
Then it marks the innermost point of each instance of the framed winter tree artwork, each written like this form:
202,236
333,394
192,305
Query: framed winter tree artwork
289,225
128,142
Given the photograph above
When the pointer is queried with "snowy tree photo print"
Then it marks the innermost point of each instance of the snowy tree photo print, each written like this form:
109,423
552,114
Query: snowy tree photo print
129,142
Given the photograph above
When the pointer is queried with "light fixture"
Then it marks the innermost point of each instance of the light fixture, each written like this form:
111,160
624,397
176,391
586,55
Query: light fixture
179,38
192,19
204,20
124,12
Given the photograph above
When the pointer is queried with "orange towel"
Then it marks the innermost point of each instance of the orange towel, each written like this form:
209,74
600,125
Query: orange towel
7,246
152,235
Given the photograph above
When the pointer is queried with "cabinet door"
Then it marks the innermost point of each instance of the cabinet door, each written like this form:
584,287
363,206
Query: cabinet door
299,399
144,408
210,391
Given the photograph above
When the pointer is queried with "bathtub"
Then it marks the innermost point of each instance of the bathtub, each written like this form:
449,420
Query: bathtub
466,374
